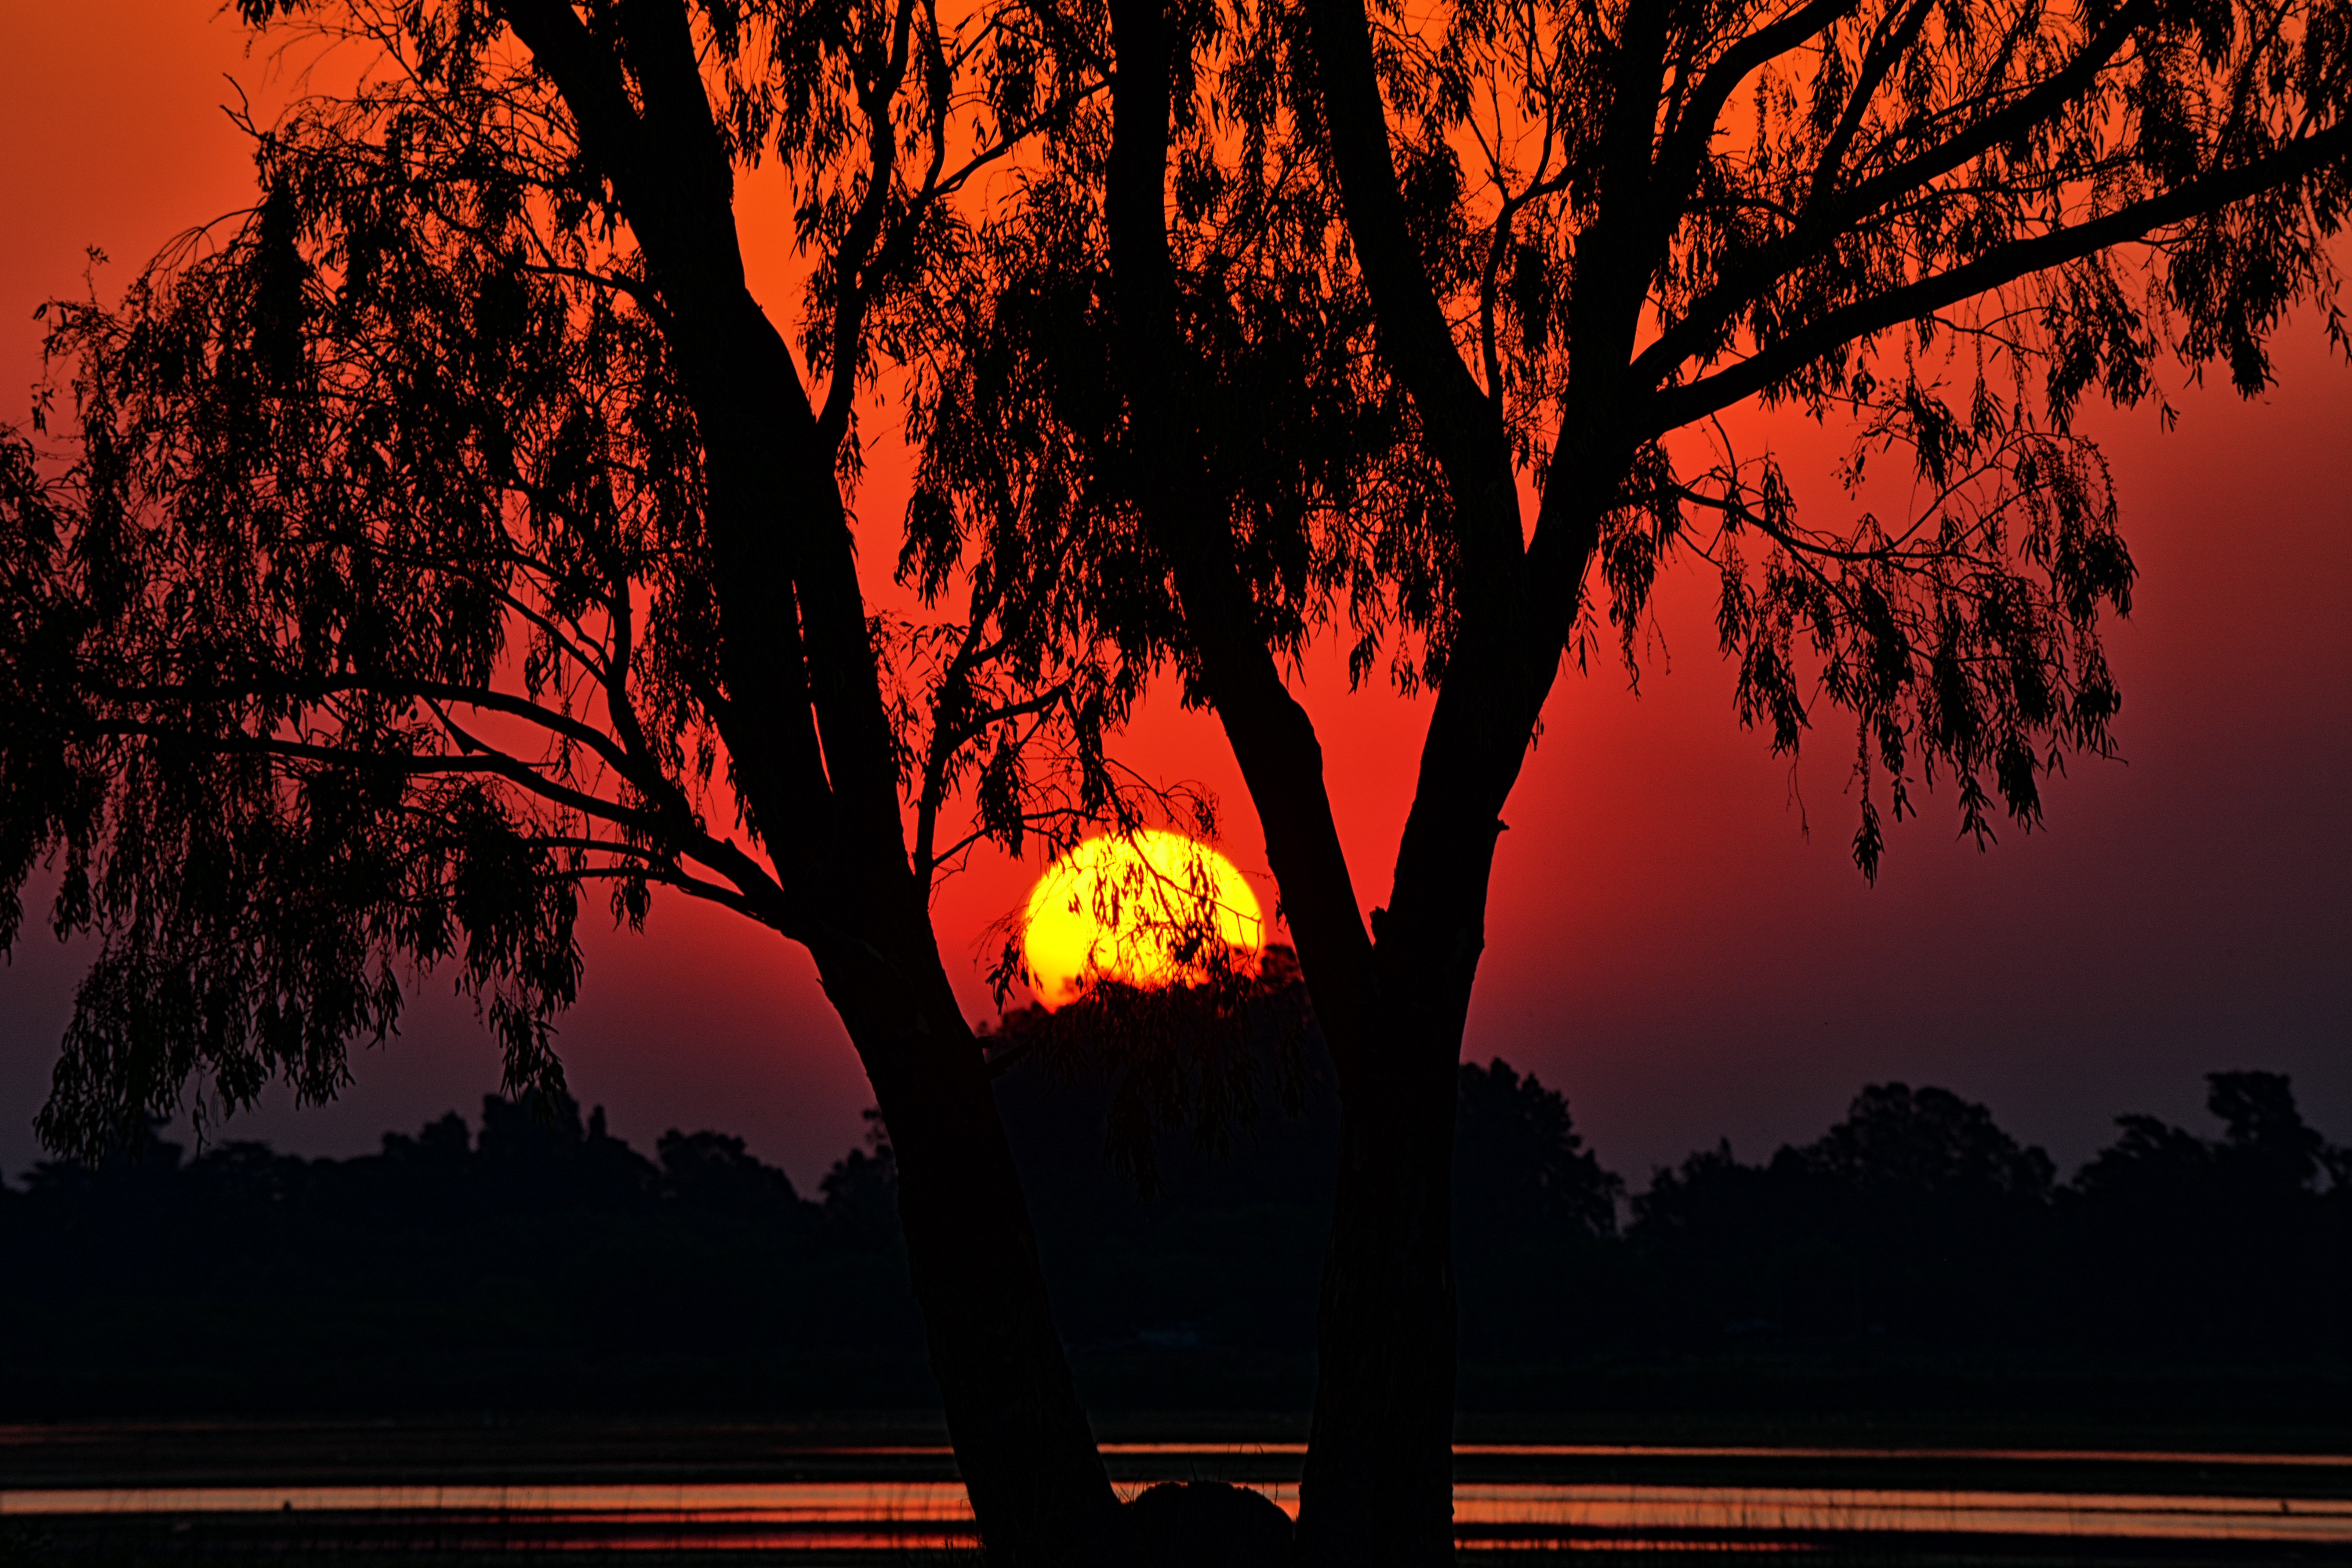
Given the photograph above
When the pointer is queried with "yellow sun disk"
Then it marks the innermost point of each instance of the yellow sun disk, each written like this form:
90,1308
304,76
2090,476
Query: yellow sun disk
1124,907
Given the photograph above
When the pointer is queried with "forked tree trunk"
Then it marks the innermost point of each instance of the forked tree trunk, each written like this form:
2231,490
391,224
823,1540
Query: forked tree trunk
1379,1482
1378,1485
1021,1441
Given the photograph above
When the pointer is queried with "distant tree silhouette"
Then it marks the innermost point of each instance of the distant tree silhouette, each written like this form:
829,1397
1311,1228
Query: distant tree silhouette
1202,1059
2266,1146
1925,1143
1179,1149
711,1170
437,1141
1919,1219
1532,1211
1916,1215
2265,1153
538,1151
545,1265
861,1191
2216,1243
1520,1168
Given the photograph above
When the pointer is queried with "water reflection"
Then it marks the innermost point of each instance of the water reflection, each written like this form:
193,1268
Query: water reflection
930,1515
1685,1512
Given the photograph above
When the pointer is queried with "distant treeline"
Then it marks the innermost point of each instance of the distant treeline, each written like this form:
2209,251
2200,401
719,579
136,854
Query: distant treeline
539,1262
1914,1253
1917,1222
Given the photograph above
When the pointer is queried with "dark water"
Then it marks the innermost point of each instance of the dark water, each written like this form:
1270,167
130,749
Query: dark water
899,1502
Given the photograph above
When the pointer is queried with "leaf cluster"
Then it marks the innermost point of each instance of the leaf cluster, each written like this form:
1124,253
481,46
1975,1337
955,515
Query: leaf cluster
1304,446
335,644
1200,1059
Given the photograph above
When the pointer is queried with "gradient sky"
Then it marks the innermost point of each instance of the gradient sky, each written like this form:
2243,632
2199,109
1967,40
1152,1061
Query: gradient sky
1668,942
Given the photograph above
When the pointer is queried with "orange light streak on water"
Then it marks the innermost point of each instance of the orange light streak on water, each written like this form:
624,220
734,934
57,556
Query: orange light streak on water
1491,1513
1625,1450
773,1502
1795,1509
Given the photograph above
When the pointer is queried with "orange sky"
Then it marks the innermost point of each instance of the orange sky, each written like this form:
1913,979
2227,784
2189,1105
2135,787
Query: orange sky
1666,943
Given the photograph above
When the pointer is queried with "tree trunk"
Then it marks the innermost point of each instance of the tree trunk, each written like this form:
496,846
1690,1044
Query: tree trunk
1021,1441
810,750
1379,1483
1377,1487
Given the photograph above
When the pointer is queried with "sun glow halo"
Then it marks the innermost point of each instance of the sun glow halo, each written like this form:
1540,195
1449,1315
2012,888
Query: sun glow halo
1131,907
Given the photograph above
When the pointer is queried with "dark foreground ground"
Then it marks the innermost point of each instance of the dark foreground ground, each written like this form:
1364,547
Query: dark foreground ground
1918,1490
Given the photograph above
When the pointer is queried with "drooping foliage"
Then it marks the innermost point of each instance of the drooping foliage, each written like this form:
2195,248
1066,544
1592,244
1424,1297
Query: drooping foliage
1522,1173
1026,436
1931,221
371,616
1939,225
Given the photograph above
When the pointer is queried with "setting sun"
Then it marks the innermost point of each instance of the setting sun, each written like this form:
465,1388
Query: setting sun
1137,909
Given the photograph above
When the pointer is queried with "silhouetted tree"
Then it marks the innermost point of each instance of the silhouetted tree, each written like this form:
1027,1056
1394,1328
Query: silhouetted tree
1535,251
1521,1171
1927,1144
1916,1215
713,1171
1200,1059
2265,1146
2266,1152
1178,1146
2218,1246
453,532
861,1191
1532,1207
551,1265
429,1276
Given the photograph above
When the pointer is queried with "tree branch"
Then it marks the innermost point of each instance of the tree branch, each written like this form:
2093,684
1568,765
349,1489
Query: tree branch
1673,407
851,272
1874,67
1685,145
1464,429
1823,219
